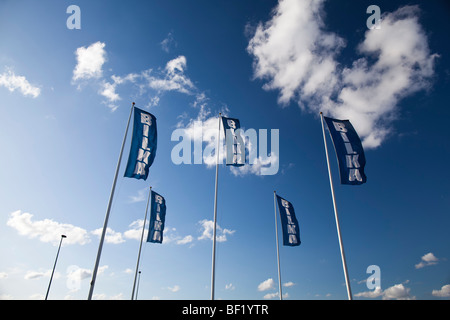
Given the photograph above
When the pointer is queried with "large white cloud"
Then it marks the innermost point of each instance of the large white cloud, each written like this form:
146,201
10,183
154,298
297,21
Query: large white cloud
295,54
47,230
90,61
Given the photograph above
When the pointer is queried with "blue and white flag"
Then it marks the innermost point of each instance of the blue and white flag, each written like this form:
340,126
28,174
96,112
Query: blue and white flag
349,151
289,223
143,145
157,218
235,144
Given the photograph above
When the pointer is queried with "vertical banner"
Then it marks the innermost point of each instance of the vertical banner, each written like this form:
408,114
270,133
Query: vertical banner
349,151
234,142
289,223
157,218
143,145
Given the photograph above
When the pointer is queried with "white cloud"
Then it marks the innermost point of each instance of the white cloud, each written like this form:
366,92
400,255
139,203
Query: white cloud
396,292
288,284
371,294
142,195
39,274
173,78
135,231
111,236
208,229
444,292
229,286
168,42
295,54
90,61
13,82
266,285
187,239
47,230
427,260
275,295
108,89
175,288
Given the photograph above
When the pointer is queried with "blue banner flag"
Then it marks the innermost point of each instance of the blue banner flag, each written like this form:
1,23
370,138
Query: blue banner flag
143,145
234,142
289,223
349,151
157,218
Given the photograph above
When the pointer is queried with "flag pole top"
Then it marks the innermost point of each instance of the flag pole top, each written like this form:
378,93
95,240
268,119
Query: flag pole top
133,104
320,112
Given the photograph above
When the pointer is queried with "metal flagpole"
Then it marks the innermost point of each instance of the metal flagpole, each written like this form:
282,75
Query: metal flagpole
276,234
140,246
213,271
54,266
137,289
341,245
108,210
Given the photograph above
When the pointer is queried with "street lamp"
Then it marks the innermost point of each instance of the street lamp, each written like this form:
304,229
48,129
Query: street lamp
54,266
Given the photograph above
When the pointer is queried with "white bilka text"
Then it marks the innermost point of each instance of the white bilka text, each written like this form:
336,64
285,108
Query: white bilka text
351,156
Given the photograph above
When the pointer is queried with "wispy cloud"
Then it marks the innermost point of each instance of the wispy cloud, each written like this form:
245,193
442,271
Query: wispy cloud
111,236
30,275
168,42
175,288
296,55
13,82
172,77
427,260
207,231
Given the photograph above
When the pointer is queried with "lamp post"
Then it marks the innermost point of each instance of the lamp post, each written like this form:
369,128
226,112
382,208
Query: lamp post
54,266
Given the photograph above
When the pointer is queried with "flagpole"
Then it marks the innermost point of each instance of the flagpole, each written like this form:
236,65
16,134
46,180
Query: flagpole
108,210
341,245
54,266
213,271
276,235
137,289
140,246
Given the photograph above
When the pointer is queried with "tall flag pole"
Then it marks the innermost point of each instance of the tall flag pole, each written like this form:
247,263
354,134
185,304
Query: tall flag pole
140,246
276,235
213,271
54,266
341,245
289,226
108,210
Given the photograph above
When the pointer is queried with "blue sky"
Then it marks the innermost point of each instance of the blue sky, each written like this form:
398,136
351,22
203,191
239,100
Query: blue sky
65,95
